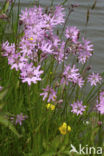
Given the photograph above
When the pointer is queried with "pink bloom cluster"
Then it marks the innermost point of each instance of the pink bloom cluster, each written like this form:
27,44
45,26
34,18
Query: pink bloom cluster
85,51
72,74
49,93
78,108
82,50
30,73
100,103
72,33
39,41
18,119
94,79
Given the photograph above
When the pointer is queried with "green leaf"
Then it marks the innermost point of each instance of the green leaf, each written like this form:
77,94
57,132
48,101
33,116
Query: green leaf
88,15
1,106
94,132
8,124
57,141
2,94
63,3
94,5
6,6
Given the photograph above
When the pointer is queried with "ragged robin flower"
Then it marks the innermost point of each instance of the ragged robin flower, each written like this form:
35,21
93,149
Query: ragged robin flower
49,93
50,106
64,128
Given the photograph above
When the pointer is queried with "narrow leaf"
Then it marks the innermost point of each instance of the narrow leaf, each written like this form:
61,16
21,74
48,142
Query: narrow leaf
6,7
94,5
2,94
88,15
63,3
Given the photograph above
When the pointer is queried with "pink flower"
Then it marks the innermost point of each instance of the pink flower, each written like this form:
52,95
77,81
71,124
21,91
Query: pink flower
84,51
49,93
59,56
13,60
58,17
8,49
46,48
30,74
72,33
80,81
94,79
78,108
20,118
72,74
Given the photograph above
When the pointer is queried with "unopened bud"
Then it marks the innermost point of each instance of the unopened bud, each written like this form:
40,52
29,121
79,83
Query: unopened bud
3,16
99,123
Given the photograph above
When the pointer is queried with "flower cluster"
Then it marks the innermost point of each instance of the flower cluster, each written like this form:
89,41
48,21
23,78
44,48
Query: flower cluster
94,79
49,94
81,49
72,33
72,74
50,106
78,108
39,41
64,128
18,119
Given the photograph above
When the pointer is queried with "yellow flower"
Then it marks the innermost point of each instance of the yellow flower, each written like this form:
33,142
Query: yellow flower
64,128
31,39
50,106
69,128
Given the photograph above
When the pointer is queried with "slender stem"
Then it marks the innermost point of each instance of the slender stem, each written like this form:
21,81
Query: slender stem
96,91
100,132
70,10
52,2
85,100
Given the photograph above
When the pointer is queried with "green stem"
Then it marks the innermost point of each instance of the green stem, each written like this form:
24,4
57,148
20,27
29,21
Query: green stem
70,10
100,132
95,92
86,99
52,3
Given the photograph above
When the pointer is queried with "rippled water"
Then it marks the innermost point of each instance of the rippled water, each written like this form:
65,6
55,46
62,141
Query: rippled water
94,30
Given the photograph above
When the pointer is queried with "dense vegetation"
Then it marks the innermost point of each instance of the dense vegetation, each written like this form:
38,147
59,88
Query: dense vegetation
50,99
